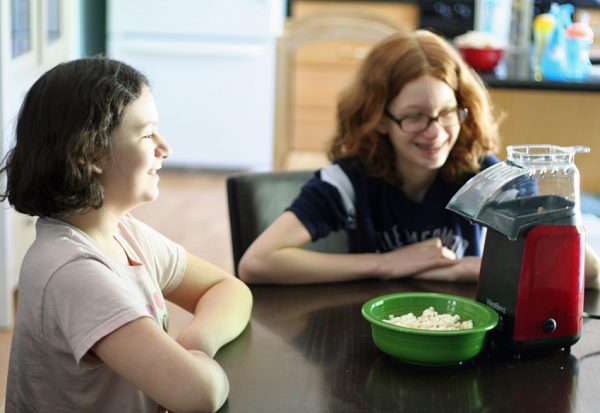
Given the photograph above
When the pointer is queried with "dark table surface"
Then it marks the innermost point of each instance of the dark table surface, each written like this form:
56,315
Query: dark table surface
308,349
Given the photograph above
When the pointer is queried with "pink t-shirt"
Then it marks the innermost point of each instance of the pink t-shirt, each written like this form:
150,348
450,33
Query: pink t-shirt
71,295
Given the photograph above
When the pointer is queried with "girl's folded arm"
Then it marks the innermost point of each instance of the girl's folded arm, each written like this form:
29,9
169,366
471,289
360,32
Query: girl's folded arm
221,305
178,379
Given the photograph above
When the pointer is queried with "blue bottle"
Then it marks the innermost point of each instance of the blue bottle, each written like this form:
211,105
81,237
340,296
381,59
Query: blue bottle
554,64
579,40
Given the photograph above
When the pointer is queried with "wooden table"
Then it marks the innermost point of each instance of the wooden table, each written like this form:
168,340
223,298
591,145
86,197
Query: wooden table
308,349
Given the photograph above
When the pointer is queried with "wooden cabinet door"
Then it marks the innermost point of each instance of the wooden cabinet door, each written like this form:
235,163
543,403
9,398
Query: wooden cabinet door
319,72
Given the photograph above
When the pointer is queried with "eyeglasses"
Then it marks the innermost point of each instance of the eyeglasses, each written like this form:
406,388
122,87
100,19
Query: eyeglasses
418,123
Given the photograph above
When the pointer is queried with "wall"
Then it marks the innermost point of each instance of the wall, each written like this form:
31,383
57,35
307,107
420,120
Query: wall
17,74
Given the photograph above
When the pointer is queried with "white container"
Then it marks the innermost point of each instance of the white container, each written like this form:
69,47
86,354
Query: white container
494,16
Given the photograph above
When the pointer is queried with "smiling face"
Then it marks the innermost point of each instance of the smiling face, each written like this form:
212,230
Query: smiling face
425,151
131,178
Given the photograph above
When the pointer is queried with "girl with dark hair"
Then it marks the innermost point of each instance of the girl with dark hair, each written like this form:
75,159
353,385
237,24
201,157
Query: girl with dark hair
91,328
414,126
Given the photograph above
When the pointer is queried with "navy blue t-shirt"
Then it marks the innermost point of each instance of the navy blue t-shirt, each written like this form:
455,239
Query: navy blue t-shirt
378,216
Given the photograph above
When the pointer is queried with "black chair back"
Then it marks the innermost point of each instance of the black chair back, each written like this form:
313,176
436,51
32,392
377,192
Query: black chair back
256,199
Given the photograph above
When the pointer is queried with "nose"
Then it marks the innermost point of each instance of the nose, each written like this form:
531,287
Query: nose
433,130
163,149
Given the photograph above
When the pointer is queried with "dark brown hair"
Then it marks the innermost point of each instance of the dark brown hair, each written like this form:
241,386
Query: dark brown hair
391,64
63,128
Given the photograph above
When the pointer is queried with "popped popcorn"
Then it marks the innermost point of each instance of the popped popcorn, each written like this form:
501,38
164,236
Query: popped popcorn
478,40
430,320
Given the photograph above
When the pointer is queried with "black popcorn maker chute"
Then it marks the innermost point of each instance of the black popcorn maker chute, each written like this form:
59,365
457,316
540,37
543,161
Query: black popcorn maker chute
532,264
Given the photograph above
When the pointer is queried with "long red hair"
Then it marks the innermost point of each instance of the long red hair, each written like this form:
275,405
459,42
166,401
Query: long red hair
391,64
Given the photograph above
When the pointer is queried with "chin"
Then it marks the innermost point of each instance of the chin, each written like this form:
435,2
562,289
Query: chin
433,164
150,197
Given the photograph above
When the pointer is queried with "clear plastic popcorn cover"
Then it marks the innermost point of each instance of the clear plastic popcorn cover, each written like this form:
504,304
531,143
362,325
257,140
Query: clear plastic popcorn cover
536,184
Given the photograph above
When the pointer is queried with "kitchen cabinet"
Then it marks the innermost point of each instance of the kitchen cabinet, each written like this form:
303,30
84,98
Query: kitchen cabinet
559,117
402,13
320,71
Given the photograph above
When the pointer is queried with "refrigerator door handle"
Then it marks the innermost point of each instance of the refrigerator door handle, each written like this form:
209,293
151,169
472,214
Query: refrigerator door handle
171,48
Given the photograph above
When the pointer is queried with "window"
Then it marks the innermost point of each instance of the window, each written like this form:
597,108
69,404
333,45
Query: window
53,20
21,27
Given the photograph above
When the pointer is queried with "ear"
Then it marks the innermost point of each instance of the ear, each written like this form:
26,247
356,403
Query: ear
97,169
383,126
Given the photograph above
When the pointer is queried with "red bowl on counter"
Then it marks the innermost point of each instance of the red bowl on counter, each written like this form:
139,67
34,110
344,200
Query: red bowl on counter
483,60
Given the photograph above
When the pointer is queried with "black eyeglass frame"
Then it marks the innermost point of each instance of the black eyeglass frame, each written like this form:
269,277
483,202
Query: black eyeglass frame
461,111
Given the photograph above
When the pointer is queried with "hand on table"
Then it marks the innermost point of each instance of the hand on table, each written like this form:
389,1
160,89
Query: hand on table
416,258
465,269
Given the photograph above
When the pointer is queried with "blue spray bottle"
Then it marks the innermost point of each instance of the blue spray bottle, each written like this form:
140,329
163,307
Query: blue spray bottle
554,64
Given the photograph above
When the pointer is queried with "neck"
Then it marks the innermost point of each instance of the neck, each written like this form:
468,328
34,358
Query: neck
101,226
416,182
95,223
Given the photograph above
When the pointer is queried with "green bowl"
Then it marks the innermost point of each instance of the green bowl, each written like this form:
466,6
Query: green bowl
429,347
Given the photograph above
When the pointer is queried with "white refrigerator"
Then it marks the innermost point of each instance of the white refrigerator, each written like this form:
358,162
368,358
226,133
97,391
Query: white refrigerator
211,67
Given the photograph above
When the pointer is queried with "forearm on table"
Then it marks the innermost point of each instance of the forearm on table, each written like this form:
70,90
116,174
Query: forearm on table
204,387
144,355
292,265
591,268
221,314
464,269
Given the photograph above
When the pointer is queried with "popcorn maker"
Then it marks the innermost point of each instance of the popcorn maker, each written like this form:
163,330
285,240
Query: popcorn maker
533,257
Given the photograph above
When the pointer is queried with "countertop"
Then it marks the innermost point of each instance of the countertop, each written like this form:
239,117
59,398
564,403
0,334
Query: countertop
591,4
516,75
